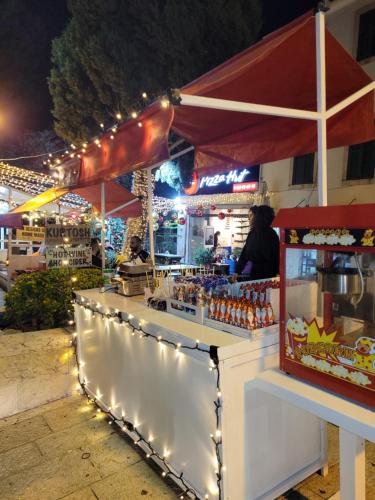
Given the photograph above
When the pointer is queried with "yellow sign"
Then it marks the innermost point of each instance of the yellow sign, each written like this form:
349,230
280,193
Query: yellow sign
31,233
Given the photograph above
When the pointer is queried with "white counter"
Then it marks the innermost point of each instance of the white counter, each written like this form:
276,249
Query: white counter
169,394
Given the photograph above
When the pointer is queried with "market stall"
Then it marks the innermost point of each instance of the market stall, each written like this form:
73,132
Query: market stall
157,374
180,396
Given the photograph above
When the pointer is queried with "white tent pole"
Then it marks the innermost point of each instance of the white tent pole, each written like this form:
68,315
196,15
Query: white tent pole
121,206
172,157
349,100
103,225
321,99
246,107
149,214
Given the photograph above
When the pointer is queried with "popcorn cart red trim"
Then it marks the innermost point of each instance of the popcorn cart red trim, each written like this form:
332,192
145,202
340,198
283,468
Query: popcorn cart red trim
327,297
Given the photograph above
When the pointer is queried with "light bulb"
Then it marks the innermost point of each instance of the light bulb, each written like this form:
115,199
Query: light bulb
164,103
102,125
118,116
144,95
140,125
134,114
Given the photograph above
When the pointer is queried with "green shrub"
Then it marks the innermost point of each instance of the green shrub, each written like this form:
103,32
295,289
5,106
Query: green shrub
43,299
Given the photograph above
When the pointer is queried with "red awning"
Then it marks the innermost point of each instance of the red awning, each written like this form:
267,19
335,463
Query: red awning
338,216
137,144
11,220
115,196
278,71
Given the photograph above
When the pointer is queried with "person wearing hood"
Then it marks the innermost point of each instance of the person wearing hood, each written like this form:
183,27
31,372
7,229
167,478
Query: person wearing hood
259,258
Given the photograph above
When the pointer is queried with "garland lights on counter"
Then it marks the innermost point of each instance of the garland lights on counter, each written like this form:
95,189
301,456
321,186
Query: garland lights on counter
126,425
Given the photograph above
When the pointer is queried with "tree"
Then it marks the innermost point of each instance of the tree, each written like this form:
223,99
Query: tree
113,51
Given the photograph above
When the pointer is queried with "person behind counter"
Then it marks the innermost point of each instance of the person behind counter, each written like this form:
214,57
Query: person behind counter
96,253
259,258
137,252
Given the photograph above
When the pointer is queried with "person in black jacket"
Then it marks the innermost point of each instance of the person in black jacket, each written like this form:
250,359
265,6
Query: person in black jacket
259,258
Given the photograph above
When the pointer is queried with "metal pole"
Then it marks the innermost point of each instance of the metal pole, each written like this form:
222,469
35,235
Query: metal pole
103,225
149,214
321,99
9,244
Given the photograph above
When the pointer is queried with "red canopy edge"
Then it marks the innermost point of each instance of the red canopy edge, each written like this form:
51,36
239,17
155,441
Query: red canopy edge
11,220
278,71
115,196
137,144
337,216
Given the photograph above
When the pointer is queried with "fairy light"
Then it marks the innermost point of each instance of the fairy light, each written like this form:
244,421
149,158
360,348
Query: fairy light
128,427
144,95
134,114
140,125
164,103
118,116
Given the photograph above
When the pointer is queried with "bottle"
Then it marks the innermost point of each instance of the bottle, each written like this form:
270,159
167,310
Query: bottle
223,308
271,315
258,316
211,307
239,312
228,311
217,309
244,307
250,317
233,312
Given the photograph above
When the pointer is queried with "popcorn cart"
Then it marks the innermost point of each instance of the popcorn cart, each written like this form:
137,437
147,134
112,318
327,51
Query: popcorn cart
327,297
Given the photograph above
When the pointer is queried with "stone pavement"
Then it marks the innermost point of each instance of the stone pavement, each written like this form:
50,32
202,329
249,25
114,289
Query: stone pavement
66,450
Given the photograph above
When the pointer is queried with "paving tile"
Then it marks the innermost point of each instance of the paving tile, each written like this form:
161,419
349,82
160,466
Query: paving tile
333,445
8,398
30,365
84,494
50,480
23,432
136,482
74,411
327,486
37,391
18,459
43,409
78,437
112,454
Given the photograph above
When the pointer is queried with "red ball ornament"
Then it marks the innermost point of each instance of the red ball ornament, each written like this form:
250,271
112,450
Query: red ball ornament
213,207
221,215
230,210
161,220
182,221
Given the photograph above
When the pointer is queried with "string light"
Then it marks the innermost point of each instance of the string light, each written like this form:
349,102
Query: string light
144,95
118,116
128,427
134,114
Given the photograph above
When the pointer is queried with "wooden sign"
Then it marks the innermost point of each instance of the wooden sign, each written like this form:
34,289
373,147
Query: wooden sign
68,257
31,233
58,234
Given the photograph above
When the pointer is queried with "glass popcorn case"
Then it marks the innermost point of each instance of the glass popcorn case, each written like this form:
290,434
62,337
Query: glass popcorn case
327,297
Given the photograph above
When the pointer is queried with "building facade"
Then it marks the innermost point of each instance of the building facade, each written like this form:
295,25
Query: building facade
351,178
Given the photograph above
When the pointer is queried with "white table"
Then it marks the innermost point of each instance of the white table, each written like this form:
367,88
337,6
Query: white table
170,396
355,422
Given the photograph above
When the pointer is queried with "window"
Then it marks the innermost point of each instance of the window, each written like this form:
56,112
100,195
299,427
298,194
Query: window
366,35
303,169
361,161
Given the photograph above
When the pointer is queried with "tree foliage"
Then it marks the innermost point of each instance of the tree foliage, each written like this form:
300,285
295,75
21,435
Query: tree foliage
112,51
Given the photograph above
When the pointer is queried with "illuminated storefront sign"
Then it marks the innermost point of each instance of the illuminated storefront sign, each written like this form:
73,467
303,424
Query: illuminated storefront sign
234,181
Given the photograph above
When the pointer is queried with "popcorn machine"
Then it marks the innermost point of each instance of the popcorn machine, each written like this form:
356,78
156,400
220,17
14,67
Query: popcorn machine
327,297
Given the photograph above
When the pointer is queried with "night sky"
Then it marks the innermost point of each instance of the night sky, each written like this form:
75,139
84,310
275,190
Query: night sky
27,29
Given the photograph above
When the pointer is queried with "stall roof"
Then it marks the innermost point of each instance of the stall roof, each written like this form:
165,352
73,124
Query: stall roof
119,202
279,71
337,216
115,196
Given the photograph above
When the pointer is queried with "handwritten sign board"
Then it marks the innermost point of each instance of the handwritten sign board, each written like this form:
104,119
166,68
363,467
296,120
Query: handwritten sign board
71,257
58,234
31,233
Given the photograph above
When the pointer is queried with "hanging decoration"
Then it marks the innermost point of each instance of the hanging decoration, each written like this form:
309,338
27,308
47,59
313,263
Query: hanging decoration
230,210
199,213
207,202
34,183
182,221
221,215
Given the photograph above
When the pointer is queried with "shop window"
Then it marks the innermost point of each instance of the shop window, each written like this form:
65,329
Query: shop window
303,169
366,35
361,161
